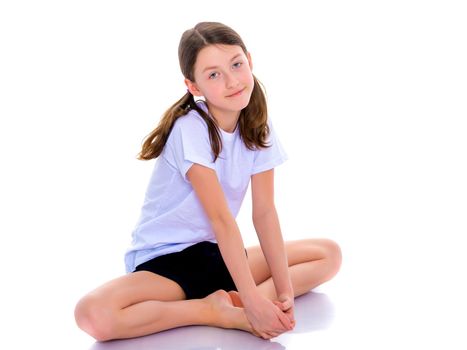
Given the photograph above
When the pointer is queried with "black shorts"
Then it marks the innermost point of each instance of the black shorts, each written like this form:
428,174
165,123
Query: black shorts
199,269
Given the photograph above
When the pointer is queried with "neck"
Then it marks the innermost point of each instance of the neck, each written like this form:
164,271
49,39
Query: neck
227,120
228,124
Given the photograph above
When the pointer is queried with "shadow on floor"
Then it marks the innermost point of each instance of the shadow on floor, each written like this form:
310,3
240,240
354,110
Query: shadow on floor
313,311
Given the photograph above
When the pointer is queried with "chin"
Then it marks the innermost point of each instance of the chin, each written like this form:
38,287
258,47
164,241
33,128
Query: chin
239,106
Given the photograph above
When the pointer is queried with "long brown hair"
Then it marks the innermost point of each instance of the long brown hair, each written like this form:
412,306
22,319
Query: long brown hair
252,122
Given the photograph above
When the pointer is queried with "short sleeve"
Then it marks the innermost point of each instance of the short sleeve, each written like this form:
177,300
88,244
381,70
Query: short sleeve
268,158
188,143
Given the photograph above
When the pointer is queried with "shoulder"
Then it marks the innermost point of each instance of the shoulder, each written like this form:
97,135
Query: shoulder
192,122
189,131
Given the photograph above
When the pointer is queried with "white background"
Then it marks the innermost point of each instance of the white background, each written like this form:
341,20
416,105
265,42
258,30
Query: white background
368,98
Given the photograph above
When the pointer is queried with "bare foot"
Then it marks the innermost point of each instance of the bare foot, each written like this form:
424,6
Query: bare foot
235,298
226,314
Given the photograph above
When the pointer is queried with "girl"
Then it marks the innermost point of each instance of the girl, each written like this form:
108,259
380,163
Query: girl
187,264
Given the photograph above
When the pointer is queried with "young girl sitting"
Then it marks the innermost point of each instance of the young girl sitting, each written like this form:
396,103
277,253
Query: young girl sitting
187,264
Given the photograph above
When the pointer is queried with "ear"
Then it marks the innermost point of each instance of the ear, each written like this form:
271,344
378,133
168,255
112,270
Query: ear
250,62
193,88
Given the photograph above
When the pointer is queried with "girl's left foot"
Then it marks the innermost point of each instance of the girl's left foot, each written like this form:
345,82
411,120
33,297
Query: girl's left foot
226,314
237,302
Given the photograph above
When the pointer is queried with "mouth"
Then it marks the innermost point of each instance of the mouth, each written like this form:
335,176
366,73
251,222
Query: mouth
238,93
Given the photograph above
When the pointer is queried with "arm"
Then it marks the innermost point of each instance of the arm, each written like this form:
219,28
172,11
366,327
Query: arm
264,316
266,223
211,196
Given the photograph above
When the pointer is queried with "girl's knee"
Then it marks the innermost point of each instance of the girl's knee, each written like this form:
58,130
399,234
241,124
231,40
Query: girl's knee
94,317
333,255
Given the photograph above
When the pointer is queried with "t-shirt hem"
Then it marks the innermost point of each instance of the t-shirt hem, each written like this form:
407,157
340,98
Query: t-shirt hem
195,160
269,165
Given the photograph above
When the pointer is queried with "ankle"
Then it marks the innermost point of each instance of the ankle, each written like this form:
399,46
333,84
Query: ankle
209,312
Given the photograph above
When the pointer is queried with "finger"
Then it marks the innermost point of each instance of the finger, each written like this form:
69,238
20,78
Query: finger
279,305
263,334
284,320
290,314
255,332
260,333
291,318
273,334
290,310
287,304
266,336
285,298
284,305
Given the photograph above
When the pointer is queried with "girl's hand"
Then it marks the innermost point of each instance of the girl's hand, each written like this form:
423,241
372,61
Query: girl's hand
286,304
265,317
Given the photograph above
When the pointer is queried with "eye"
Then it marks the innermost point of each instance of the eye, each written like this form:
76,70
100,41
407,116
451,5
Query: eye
214,75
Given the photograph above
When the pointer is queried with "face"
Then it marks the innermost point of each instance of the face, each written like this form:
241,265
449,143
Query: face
223,76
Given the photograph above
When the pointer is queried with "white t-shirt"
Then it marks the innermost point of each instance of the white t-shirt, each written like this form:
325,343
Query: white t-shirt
172,217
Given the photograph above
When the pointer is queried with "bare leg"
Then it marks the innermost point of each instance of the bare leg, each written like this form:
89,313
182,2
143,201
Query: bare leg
304,276
311,263
129,307
151,316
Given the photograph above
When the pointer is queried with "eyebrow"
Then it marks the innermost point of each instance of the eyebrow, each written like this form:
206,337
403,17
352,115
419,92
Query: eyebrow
213,67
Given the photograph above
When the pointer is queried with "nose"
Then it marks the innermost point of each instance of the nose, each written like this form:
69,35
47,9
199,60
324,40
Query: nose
230,80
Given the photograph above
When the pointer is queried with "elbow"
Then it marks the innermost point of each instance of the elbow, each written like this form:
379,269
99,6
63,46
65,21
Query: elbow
261,215
222,224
